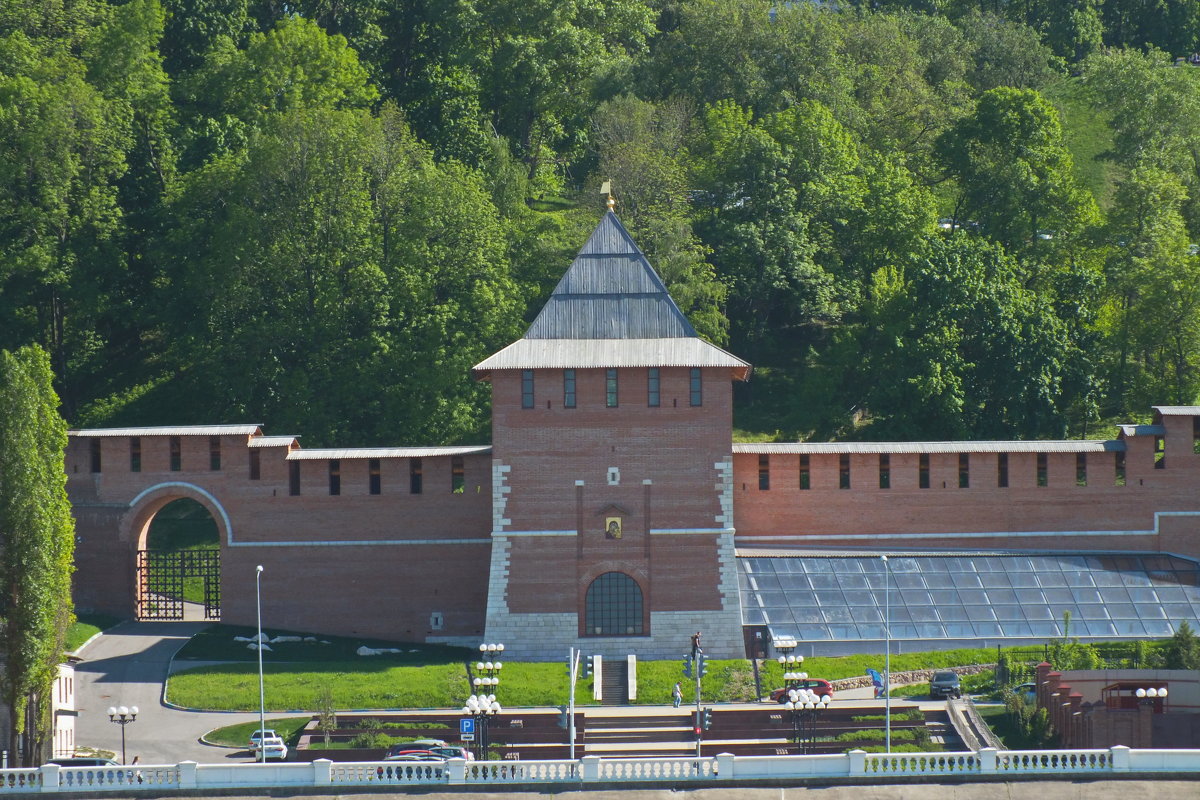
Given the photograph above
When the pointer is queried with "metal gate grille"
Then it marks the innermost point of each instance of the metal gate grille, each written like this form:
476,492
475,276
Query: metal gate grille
169,578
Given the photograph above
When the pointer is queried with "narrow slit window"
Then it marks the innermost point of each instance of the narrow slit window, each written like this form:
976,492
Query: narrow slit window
764,472
294,478
135,454
923,470
568,388
458,476
653,388
414,476
964,470
1081,469
805,479
1043,469
335,476
255,465
94,450
1119,477
526,388
1002,470
373,482
610,388
885,471
1196,435
1160,454
176,453
214,453
696,388
844,471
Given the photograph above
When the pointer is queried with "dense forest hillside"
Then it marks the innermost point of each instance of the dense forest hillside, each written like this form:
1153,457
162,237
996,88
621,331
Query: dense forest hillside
941,219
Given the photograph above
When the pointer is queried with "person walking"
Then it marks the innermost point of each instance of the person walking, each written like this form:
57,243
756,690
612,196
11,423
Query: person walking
677,694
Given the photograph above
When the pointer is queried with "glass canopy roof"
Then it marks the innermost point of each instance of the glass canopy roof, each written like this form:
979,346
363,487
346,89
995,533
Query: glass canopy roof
818,598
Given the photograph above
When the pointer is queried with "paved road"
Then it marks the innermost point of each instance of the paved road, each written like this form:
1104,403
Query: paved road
126,666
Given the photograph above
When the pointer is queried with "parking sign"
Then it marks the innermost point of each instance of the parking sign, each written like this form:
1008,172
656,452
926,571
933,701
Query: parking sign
466,729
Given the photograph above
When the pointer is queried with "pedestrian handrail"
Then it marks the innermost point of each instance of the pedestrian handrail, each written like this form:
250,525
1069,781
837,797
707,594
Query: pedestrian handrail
188,776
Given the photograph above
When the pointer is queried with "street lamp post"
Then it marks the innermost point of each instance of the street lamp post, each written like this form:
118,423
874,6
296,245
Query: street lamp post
482,705
262,697
887,654
122,716
805,706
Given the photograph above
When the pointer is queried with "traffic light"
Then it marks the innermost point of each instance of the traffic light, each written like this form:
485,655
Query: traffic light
564,719
687,666
702,664
587,665
706,719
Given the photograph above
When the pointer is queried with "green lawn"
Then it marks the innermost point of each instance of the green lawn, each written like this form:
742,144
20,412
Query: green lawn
184,525
355,684
219,643
86,626
239,735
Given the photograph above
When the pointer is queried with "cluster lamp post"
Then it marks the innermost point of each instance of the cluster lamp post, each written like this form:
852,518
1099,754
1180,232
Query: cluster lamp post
122,716
482,705
805,706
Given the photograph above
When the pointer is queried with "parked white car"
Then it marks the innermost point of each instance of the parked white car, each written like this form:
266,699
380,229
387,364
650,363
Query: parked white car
274,747
259,734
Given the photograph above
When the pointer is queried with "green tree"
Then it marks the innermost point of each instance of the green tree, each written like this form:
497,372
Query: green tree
1006,53
37,537
1182,651
1013,170
953,345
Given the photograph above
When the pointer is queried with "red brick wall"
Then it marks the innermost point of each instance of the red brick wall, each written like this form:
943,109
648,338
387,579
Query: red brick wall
549,448
385,590
826,512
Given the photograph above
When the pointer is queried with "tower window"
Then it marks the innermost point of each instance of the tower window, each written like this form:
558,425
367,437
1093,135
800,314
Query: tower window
414,476
885,471
458,478
335,476
293,478
135,454
214,453
1002,471
653,393
255,465
805,480
610,388
94,451
1119,477
696,388
844,471
764,472
923,470
526,388
1081,469
373,483
1043,469
568,388
964,470
613,606
1160,453
176,453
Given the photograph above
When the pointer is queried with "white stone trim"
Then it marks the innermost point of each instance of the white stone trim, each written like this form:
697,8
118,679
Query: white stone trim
724,488
500,492
207,495
534,533
704,531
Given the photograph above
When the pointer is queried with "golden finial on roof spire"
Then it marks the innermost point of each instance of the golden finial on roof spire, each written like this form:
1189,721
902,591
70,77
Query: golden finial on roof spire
606,190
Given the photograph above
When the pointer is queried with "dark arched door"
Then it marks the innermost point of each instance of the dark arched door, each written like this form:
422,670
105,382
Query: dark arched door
613,606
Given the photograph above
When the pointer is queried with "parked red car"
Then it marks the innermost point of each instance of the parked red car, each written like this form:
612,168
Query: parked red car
820,687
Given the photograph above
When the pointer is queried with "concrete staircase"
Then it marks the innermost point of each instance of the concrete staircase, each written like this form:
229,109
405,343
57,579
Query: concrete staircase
662,735
614,682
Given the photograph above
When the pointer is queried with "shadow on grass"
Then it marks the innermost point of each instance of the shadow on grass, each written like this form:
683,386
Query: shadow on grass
218,643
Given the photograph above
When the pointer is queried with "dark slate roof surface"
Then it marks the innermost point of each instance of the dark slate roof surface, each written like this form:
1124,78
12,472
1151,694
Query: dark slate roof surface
610,291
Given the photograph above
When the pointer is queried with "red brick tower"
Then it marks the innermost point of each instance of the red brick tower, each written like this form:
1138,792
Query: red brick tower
612,495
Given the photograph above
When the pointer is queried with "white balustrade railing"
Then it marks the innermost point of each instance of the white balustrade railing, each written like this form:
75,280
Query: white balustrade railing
189,776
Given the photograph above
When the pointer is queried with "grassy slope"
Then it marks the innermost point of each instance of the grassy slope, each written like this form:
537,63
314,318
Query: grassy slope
1087,136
